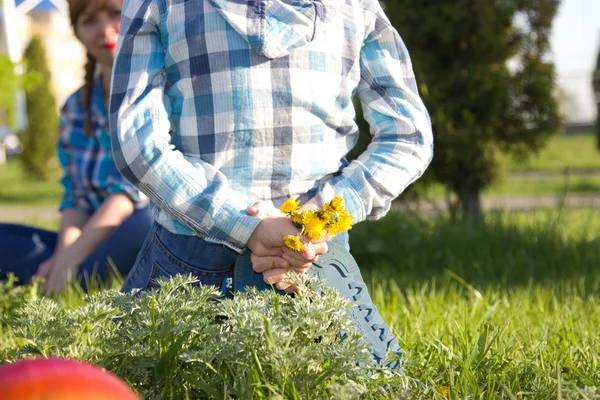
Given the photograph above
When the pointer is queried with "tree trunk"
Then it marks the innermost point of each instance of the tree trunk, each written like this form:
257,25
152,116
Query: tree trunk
598,124
470,201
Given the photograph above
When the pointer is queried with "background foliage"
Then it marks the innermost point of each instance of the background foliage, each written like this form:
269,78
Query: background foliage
39,139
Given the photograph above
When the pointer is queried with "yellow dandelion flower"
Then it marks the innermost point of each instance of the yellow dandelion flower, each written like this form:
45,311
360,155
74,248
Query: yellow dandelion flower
293,242
313,225
336,204
324,216
444,390
298,218
340,223
289,206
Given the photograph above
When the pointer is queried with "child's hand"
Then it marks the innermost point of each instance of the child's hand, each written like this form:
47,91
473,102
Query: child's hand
262,209
269,254
271,242
267,241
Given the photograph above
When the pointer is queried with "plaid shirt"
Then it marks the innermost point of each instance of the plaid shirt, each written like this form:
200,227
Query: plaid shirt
89,172
219,103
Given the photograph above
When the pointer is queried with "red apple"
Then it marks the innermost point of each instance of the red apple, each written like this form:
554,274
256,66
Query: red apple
59,379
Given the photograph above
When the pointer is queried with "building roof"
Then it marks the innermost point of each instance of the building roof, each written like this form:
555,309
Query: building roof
44,6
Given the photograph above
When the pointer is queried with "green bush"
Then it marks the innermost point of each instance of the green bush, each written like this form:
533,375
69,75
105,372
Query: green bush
39,139
9,84
188,342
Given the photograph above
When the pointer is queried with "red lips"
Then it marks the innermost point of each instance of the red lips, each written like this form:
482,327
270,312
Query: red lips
110,46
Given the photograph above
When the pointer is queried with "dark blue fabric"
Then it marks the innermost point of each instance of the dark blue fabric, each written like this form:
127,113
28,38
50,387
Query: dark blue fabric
165,254
24,248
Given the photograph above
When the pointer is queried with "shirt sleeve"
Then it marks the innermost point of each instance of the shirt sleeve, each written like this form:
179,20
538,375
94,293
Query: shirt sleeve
402,140
190,190
72,192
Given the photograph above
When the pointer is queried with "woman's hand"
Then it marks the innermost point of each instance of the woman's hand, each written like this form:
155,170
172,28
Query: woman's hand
45,268
57,271
62,273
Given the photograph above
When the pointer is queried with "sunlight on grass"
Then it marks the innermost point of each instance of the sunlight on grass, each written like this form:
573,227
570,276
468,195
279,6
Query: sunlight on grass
577,152
507,307
510,186
16,189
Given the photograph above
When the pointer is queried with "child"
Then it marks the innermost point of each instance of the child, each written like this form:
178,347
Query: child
218,105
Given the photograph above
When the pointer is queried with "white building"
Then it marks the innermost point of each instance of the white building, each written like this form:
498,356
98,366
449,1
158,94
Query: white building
48,19
22,19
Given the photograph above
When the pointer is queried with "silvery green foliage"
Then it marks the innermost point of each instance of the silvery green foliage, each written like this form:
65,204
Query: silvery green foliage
186,341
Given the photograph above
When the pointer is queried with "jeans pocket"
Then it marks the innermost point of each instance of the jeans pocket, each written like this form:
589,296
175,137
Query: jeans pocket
188,255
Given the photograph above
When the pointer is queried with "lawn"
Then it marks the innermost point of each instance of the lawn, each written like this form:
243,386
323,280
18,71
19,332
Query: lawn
519,185
576,152
16,189
506,308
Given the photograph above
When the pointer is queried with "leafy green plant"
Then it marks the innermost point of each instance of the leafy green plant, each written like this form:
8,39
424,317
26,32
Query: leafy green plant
13,296
188,342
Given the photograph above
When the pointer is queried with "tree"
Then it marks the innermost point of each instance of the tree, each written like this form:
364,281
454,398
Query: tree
596,87
9,85
39,139
485,77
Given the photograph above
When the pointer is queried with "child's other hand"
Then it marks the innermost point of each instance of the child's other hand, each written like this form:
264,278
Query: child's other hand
262,209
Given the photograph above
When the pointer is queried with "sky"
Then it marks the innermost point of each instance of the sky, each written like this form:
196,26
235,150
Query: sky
575,45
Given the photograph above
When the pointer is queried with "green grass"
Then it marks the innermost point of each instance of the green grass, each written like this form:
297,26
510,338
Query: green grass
509,308
515,186
506,308
16,189
576,152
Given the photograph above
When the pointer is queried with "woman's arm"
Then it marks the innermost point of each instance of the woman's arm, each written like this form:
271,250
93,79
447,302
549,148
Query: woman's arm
71,224
115,209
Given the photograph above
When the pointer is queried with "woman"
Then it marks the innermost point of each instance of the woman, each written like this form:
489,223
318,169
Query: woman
104,219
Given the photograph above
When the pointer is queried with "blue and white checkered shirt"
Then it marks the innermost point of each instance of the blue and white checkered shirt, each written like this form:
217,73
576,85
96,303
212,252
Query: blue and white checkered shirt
217,104
89,172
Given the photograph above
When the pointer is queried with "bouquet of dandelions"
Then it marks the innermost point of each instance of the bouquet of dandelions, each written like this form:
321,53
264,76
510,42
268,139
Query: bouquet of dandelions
331,219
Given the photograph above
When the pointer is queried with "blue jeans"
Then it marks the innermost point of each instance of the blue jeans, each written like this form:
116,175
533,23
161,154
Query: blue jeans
166,254
24,248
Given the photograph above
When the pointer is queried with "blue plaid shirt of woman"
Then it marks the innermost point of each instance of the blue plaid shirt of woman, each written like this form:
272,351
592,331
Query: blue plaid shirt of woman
89,172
